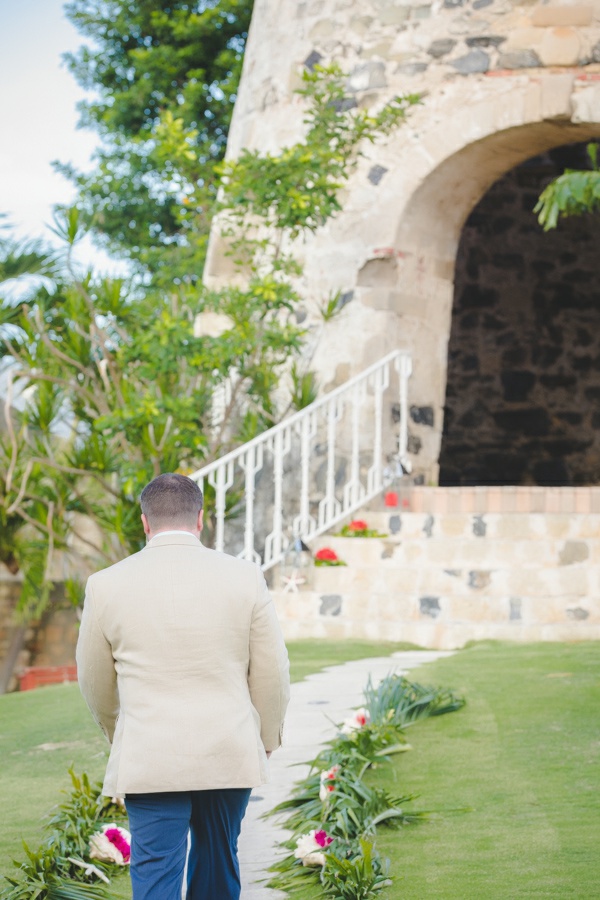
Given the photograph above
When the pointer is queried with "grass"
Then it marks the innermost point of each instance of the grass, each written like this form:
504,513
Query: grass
43,732
523,755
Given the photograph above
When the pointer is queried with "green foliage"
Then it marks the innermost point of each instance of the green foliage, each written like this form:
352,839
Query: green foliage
45,876
358,878
123,378
359,528
165,76
74,821
399,702
574,193
304,387
334,798
50,873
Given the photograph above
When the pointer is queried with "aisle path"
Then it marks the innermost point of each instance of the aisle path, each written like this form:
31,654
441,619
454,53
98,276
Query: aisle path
329,695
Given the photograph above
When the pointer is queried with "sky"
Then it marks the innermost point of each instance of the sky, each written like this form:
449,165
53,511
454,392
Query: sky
38,118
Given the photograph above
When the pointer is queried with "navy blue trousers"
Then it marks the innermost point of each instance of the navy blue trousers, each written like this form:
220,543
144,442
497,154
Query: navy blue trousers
159,837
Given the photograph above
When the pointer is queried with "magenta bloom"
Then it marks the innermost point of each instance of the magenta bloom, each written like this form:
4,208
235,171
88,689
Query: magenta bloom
322,839
116,838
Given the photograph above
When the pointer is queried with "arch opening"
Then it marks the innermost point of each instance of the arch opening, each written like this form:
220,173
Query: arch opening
523,379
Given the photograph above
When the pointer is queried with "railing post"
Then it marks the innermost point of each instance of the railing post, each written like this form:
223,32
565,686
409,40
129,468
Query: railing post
251,464
330,507
221,479
381,380
304,524
403,365
278,445
294,491
354,491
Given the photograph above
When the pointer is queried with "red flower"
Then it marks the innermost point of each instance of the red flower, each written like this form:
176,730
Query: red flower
391,498
322,839
327,554
361,718
358,525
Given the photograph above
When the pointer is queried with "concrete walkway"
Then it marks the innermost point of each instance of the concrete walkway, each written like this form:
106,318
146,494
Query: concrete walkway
328,696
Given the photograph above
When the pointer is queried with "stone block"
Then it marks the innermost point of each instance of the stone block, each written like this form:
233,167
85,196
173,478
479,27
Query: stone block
573,552
367,76
560,47
586,105
562,14
441,47
471,63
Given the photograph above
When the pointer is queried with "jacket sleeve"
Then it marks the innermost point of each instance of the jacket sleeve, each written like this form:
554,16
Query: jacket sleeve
96,668
269,668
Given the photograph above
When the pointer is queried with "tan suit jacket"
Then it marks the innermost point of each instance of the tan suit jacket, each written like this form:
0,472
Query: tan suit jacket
182,663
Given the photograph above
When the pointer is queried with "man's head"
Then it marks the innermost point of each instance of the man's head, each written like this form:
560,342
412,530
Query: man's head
172,502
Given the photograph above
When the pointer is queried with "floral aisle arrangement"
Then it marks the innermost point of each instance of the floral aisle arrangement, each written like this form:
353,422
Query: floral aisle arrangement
359,528
327,557
85,842
334,814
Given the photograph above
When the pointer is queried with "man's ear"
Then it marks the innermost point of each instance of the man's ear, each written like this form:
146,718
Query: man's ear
146,524
201,520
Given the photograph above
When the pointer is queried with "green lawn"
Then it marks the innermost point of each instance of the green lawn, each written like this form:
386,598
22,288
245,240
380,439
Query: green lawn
523,755
43,732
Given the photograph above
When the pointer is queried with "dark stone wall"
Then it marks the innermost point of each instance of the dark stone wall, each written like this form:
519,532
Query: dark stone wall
523,389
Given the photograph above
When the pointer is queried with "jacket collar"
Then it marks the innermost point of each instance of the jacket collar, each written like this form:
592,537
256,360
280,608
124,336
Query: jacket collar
162,539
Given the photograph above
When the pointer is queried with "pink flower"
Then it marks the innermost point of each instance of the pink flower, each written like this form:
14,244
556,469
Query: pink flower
322,838
112,844
118,839
309,848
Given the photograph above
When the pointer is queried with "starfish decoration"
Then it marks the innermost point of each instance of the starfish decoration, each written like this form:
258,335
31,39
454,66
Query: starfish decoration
292,582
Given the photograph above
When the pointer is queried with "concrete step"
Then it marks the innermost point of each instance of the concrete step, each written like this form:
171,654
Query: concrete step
451,553
442,621
522,526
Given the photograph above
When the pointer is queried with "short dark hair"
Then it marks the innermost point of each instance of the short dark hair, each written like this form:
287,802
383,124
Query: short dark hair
171,499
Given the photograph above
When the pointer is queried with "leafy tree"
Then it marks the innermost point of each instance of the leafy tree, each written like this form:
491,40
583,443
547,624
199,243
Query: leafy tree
124,385
164,71
19,545
574,193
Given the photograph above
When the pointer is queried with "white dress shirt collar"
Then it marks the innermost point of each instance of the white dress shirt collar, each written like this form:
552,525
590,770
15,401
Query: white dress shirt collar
173,531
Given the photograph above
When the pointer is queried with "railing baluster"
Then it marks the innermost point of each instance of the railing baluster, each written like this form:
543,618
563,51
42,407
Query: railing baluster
330,507
403,365
354,491
251,463
304,524
278,440
221,479
381,380
279,445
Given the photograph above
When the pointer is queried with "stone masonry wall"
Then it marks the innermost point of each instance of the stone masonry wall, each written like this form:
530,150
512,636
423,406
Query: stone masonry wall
524,354
500,81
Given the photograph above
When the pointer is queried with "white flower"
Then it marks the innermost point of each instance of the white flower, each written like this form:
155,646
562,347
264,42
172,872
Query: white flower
356,721
309,848
327,776
112,844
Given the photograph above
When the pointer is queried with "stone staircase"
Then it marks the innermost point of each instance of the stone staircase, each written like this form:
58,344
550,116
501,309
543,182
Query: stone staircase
459,564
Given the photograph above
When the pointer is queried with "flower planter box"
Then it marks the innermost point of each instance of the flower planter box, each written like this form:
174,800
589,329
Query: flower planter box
38,676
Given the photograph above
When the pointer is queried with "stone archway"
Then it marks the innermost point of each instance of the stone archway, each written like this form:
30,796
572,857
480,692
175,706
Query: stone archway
427,240
524,353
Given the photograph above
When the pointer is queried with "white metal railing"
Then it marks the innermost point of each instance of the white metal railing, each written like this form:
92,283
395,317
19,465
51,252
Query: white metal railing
301,477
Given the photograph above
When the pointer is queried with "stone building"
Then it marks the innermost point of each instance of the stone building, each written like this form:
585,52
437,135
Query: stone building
437,249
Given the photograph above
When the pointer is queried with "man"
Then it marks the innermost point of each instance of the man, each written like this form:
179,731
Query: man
182,664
